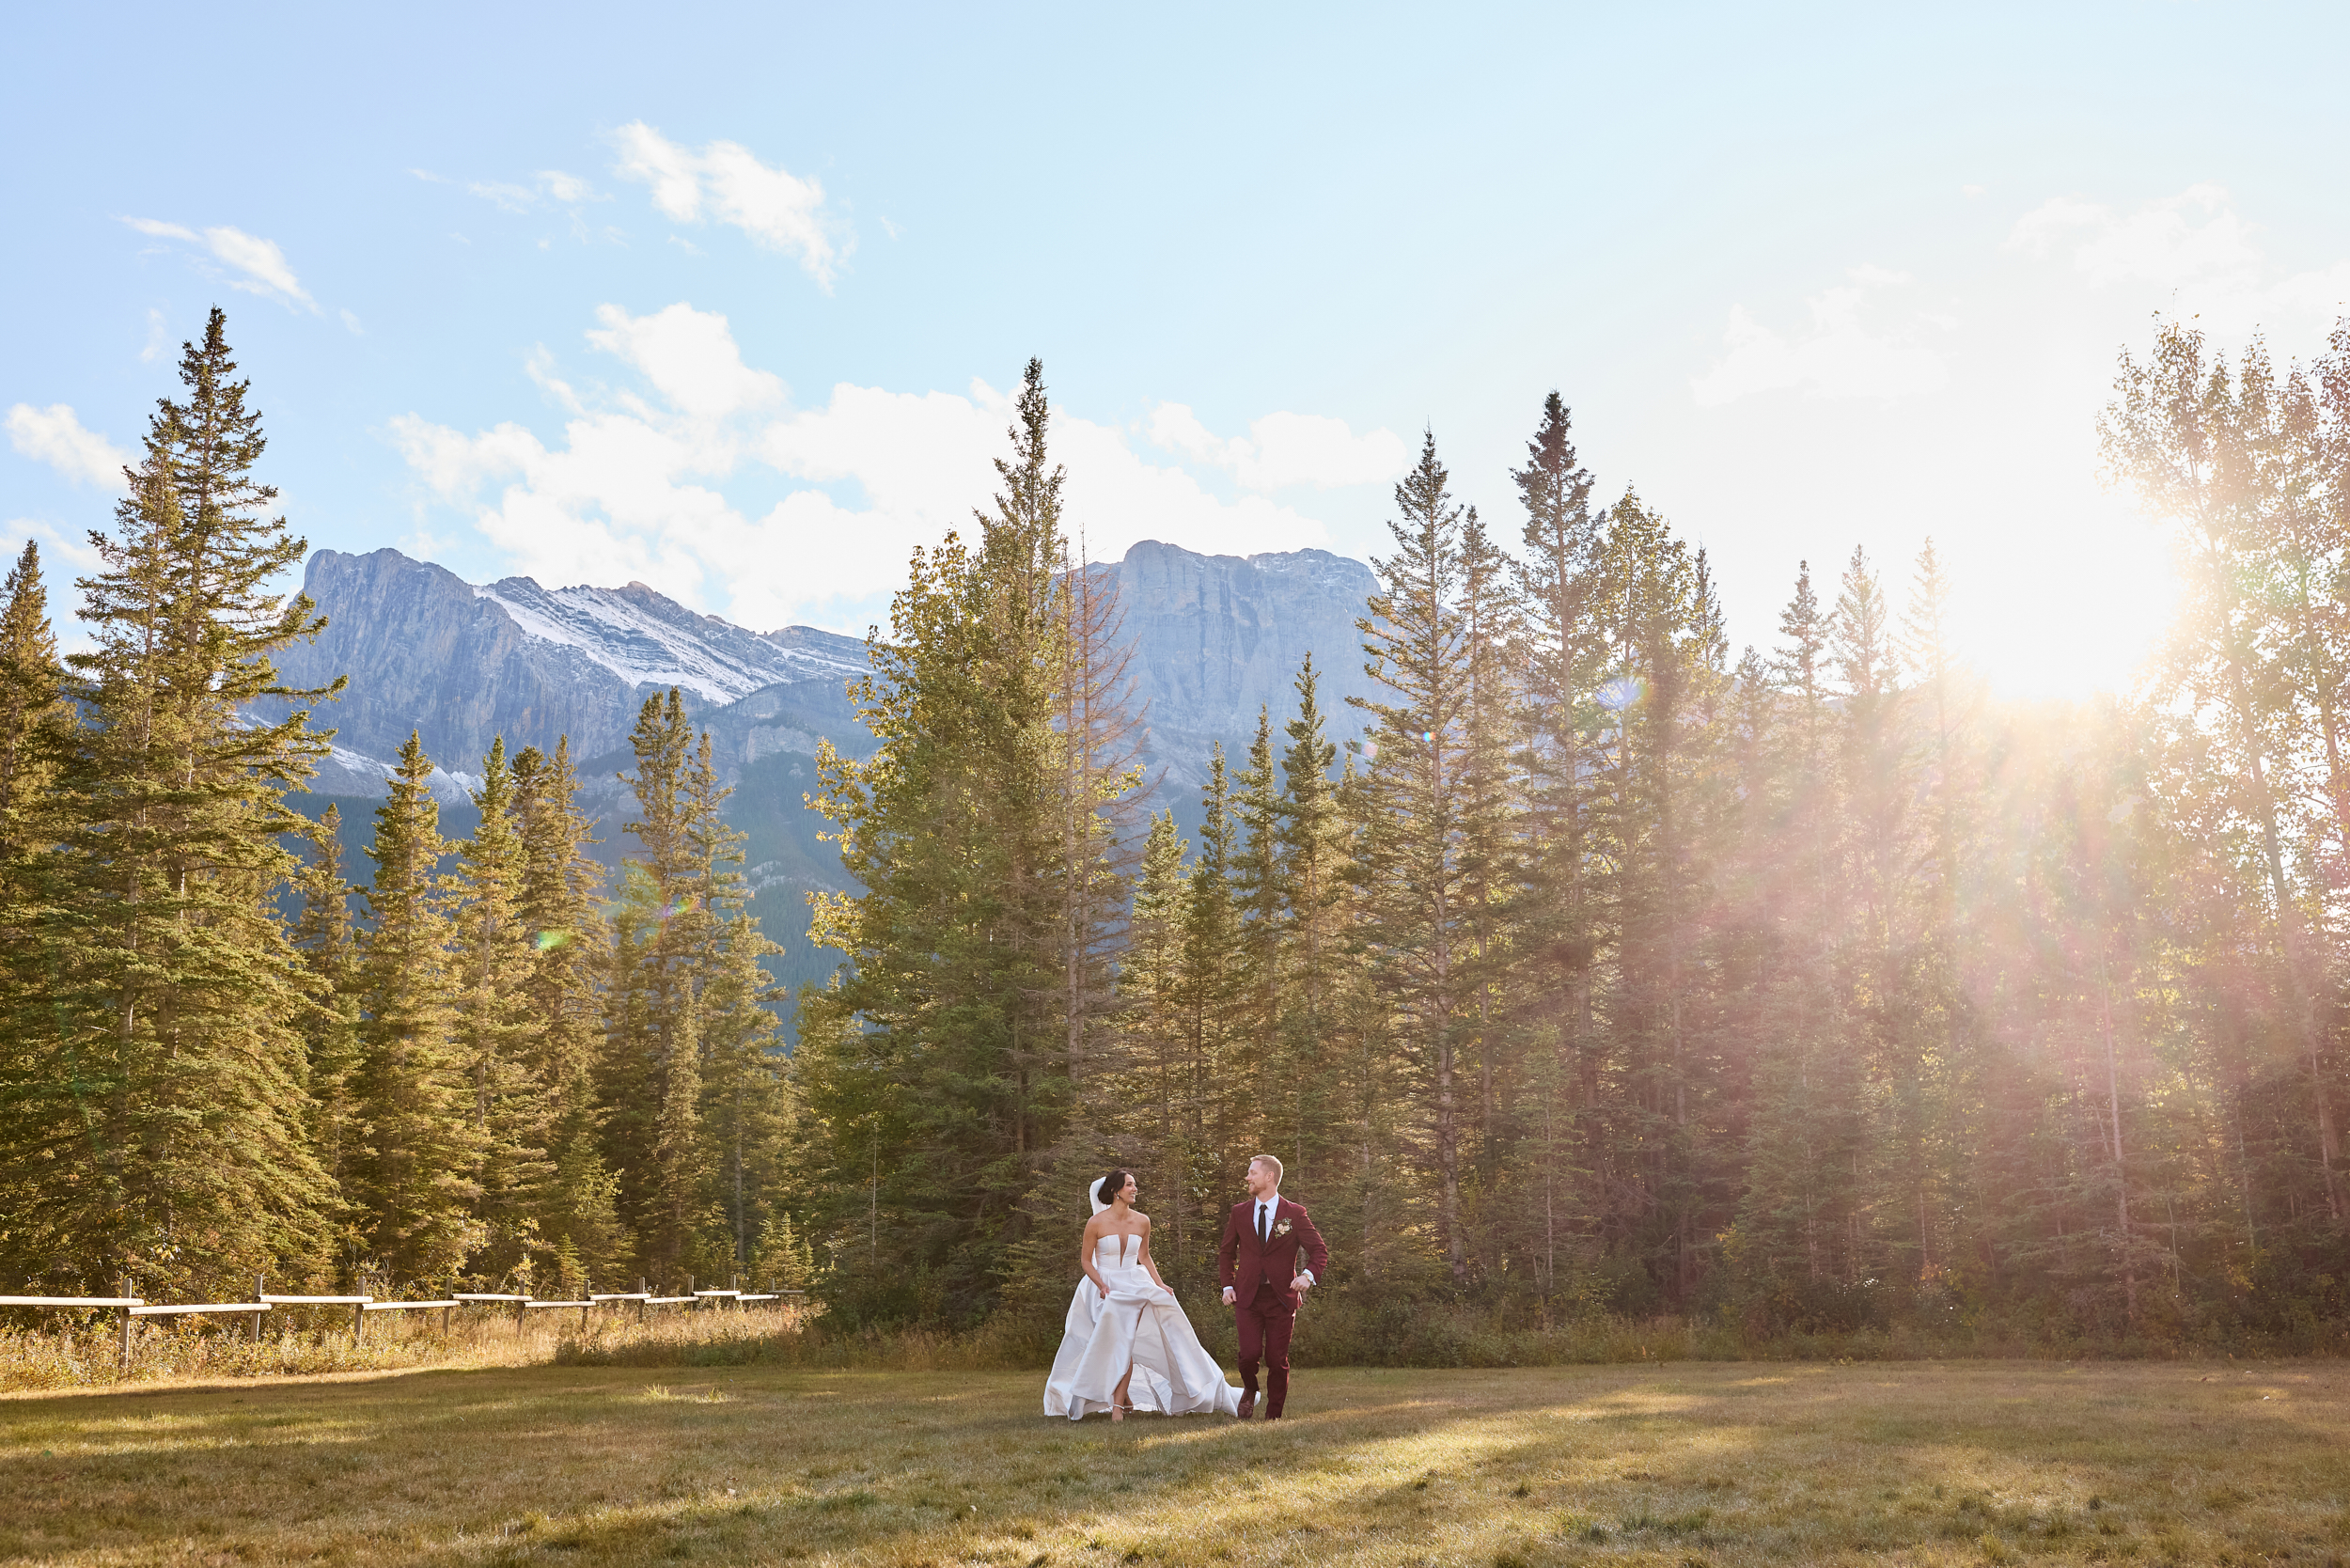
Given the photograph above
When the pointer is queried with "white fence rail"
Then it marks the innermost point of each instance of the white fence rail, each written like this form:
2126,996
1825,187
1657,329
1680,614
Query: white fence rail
128,1308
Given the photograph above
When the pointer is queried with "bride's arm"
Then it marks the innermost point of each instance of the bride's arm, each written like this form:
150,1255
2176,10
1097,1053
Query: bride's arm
1147,1262
1085,1255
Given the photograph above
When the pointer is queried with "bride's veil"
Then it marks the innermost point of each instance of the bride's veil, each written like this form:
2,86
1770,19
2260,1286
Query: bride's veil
1094,1195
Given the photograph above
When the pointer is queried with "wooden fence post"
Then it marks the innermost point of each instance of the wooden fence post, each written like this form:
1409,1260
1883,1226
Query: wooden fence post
358,1322
122,1358
640,1301
261,1283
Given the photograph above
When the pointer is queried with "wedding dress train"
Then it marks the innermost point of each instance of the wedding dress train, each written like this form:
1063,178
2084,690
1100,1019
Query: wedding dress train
1140,1325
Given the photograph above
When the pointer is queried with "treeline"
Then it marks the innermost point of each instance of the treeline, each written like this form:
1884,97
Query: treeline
1809,987
501,1073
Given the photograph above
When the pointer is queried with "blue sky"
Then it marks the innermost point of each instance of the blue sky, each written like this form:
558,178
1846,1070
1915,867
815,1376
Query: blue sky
727,300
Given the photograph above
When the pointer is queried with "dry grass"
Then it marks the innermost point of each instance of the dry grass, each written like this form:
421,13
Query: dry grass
1717,1464
69,1353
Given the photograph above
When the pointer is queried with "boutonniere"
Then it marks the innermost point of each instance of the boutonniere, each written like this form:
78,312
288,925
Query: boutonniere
1282,1228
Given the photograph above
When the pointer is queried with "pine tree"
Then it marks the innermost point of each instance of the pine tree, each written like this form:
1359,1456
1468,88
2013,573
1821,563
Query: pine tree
1310,851
1799,1209
656,927
744,1110
946,1042
497,1026
1152,981
35,733
569,941
34,720
155,1099
324,934
1258,898
2199,444
1557,584
1208,996
1422,914
415,1183
1491,796
1881,947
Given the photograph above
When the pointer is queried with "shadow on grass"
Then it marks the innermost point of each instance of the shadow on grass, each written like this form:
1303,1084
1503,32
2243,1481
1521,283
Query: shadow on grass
590,1465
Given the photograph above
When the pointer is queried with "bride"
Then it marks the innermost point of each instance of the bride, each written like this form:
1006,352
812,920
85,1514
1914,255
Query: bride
1126,1344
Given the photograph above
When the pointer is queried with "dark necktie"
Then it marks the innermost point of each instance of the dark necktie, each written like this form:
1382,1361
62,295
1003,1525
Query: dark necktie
1263,1236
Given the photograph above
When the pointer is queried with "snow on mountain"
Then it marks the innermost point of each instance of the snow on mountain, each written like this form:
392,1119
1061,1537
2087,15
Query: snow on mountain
649,641
458,663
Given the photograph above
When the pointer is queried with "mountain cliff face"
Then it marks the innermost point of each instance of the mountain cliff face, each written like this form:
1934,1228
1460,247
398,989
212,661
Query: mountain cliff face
1216,637
1213,638
458,663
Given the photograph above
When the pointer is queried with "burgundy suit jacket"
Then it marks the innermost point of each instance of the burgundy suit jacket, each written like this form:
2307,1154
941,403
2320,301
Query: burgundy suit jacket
1243,1265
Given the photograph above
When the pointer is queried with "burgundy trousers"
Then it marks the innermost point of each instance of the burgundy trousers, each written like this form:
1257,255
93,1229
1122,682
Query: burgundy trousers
1264,1327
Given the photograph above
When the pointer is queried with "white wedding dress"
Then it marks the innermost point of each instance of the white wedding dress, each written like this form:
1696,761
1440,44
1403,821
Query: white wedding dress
1140,1325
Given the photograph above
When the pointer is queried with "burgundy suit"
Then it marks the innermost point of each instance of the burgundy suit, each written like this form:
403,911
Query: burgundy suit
1264,1300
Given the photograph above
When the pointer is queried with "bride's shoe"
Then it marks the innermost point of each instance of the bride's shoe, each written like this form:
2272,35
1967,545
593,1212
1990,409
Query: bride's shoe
1118,1412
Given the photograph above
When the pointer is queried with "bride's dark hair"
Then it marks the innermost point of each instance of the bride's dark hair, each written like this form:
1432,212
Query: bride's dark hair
1112,1185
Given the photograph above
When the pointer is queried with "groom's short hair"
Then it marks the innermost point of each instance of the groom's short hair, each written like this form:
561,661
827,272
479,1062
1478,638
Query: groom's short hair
1273,1160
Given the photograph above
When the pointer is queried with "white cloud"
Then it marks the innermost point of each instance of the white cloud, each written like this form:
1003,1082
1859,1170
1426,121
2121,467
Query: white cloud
547,187
2186,238
726,182
352,322
2196,247
55,436
513,198
690,357
158,337
672,480
1282,449
55,544
265,269
568,188
1838,357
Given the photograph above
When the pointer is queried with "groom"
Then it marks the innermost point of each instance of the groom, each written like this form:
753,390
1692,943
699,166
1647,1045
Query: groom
1258,1263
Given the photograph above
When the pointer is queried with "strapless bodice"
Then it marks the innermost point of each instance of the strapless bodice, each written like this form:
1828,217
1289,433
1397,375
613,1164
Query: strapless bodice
1117,1251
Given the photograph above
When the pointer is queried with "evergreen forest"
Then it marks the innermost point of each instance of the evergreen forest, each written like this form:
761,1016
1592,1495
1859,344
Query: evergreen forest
1799,987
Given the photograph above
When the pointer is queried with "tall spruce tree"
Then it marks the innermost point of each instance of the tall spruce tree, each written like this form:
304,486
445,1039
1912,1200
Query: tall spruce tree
497,1026
155,1098
329,946
744,1112
1420,907
945,1042
416,1182
34,718
570,944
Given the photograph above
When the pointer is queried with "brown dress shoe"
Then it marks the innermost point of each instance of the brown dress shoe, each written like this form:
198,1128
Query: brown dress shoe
1247,1403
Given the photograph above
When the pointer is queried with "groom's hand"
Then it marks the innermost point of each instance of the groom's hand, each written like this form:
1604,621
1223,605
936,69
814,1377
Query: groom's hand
1303,1283
1229,1296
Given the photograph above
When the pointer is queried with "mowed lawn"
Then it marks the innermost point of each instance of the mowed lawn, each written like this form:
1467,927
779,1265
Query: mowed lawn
1677,1465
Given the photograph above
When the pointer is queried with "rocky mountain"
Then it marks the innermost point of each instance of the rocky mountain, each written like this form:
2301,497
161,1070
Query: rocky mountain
1213,638
1217,637
458,663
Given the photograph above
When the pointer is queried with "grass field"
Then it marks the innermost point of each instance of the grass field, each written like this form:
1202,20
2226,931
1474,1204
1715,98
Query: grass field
1686,1463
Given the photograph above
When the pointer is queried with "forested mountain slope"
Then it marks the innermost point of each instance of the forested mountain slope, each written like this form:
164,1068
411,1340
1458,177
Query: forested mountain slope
1213,638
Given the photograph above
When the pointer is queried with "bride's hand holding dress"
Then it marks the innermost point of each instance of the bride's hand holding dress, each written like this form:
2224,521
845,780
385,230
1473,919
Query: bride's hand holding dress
1126,1333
